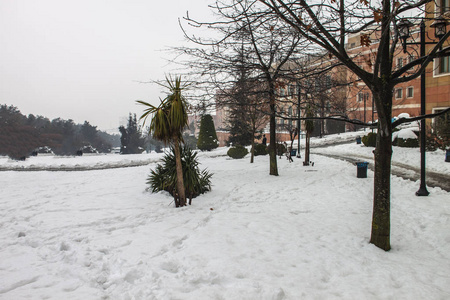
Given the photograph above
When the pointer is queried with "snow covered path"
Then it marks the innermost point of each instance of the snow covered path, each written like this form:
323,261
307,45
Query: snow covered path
405,162
301,235
433,179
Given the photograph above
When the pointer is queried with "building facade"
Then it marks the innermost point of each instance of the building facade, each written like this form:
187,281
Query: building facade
340,92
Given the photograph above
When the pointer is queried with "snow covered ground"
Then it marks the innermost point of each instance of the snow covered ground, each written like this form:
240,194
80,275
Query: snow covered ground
302,235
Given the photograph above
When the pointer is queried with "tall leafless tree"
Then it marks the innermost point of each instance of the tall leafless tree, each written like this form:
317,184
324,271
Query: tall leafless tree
268,47
328,23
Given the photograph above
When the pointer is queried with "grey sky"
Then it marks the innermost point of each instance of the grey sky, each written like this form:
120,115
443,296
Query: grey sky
83,59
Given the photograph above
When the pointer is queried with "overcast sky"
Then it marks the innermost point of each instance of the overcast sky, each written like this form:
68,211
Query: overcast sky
84,59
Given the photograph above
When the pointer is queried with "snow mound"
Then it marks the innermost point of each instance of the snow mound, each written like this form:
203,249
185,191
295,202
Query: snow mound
403,116
406,133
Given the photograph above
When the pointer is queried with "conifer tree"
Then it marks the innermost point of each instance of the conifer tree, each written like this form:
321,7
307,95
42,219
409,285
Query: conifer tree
207,138
131,139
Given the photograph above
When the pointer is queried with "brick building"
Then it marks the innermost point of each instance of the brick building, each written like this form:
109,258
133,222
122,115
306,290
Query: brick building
357,97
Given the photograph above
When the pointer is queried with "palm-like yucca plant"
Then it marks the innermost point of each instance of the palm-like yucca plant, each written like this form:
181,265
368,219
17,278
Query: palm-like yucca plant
196,182
167,123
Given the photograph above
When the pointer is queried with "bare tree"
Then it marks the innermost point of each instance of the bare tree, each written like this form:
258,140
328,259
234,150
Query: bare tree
327,24
268,47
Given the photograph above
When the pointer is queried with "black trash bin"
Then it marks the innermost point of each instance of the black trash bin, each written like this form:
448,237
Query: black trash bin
293,152
358,140
447,155
361,169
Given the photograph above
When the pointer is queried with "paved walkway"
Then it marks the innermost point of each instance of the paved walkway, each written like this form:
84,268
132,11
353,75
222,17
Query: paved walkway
433,179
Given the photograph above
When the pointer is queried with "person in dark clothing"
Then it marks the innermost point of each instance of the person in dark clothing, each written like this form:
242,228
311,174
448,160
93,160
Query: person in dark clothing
264,141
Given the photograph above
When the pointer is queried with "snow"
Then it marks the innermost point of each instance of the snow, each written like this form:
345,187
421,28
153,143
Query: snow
406,133
99,234
403,115
87,161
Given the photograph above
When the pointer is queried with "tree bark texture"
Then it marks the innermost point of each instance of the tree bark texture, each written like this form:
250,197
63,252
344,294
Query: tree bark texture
252,154
273,138
180,182
380,235
306,162
382,92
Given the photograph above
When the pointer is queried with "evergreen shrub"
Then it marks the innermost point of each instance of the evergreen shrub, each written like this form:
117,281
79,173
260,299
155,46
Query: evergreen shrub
260,149
207,137
237,152
406,143
370,140
281,149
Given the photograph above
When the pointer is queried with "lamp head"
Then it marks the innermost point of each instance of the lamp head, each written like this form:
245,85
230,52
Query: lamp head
403,31
440,27
403,28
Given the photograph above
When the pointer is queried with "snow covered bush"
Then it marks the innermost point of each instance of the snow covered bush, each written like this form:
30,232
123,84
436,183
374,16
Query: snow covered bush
164,177
237,152
405,138
89,149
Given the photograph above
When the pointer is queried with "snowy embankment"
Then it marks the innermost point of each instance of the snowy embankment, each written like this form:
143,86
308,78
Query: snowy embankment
301,235
77,163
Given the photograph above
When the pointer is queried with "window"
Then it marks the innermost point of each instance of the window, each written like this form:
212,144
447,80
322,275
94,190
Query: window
360,97
399,62
290,116
410,92
328,82
291,90
444,65
441,121
444,6
411,58
399,93
363,97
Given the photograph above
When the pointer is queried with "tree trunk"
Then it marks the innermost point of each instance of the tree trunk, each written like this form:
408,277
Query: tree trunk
252,157
252,152
380,236
180,182
273,137
381,223
306,162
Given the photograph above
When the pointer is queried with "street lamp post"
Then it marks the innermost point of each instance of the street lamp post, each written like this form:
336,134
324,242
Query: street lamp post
440,27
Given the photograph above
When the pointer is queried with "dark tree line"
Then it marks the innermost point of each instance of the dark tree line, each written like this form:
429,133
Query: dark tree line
20,135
